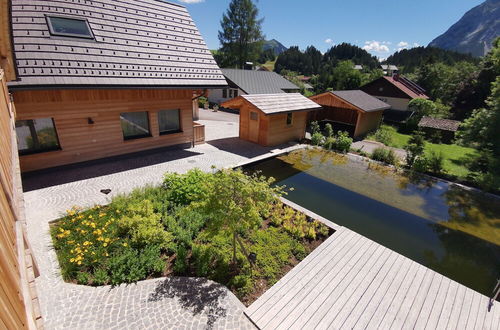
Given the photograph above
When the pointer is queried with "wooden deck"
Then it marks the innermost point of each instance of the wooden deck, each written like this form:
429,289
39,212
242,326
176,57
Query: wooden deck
352,282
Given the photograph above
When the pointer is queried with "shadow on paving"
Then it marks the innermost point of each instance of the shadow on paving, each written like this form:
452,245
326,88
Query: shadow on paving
100,167
194,294
240,147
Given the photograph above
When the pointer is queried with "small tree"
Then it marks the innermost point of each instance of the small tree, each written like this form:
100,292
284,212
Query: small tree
236,202
315,127
328,130
415,147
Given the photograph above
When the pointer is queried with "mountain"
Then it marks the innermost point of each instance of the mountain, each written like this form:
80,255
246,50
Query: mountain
474,32
275,45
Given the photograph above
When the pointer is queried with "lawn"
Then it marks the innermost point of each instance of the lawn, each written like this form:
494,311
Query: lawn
455,155
269,65
189,226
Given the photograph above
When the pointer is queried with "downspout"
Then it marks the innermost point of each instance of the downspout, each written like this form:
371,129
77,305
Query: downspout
204,93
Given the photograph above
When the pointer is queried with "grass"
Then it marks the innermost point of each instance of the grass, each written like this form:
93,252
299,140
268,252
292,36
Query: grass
269,65
454,155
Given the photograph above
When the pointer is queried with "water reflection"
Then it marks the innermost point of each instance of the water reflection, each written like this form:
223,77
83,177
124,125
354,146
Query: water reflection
447,228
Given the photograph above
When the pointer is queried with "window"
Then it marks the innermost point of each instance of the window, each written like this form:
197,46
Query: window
135,125
36,135
289,119
169,121
69,27
253,115
224,93
235,93
230,93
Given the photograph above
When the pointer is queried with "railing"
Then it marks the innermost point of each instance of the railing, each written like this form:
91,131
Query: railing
198,133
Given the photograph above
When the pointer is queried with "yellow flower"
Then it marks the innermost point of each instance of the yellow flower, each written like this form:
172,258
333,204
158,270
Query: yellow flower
125,244
72,260
61,230
90,216
105,244
79,262
106,240
106,254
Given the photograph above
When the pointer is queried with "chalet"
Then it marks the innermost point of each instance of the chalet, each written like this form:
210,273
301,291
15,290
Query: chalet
353,111
272,119
396,91
246,82
389,69
103,78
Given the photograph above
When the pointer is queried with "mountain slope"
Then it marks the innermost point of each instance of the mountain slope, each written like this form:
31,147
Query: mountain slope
275,45
474,32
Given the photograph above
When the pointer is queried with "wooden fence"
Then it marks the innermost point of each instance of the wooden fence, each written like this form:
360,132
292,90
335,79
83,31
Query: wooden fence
14,288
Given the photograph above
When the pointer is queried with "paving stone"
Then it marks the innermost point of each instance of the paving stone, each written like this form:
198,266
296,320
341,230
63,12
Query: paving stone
151,304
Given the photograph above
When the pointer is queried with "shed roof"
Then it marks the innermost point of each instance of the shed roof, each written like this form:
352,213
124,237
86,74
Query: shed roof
137,43
389,67
258,82
276,103
362,100
437,123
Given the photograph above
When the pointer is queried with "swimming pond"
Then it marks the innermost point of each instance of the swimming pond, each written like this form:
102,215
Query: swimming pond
452,230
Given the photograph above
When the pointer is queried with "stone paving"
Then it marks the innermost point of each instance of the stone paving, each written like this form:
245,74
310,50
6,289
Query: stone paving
174,303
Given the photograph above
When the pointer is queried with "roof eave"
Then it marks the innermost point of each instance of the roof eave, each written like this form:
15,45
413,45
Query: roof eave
100,86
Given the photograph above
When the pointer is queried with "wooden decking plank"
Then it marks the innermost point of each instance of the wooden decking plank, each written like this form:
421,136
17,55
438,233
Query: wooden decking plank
465,310
490,316
383,301
359,300
482,310
474,311
457,307
350,280
448,303
432,308
312,300
331,279
424,276
328,259
424,297
302,266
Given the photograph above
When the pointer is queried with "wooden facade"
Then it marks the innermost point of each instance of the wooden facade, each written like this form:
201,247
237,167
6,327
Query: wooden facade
88,121
17,311
340,111
270,130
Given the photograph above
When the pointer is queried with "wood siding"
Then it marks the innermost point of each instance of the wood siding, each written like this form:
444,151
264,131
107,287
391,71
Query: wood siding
334,109
199,133
81,141
272,129
367,122
13,311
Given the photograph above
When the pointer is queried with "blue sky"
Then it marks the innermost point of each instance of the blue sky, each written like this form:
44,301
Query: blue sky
382,27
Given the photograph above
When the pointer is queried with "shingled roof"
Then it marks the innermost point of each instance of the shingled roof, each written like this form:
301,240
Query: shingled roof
258,82
362,100
137,43
437,123
277,103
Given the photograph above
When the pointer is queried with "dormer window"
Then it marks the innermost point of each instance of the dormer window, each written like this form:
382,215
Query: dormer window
69,27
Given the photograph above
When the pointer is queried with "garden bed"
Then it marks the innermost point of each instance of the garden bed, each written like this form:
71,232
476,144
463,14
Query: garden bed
225,226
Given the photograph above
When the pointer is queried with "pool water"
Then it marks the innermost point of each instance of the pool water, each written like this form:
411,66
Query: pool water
451,230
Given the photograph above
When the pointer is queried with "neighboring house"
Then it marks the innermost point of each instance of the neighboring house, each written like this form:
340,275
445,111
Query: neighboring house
389,69
308,87
104,78
396,91
440,130
353,111
358,67
272,119
242,82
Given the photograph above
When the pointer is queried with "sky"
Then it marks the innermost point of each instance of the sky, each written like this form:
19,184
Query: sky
380,27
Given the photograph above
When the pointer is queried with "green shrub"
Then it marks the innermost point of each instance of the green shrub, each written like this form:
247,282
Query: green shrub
296,224
383,135
436,162
181,263
184,224
415,147
343,142
315,128
421,164
329,143
384,155
316,139
328,130
186,188
144,226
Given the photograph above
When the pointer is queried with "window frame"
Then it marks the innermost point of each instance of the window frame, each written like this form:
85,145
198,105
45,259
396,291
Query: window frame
224,93
289,115
71,35
171,131
27,152
125,138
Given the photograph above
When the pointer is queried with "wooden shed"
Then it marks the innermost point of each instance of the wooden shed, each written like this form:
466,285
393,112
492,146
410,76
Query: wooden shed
356,111
272,119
